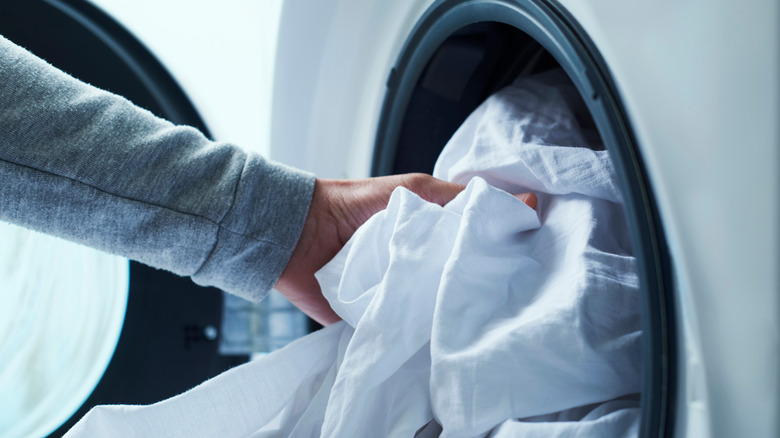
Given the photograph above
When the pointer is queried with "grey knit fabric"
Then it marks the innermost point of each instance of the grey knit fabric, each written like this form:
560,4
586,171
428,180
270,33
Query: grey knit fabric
86,165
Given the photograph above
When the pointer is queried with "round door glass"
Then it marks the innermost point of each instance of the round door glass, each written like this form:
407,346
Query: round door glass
62,313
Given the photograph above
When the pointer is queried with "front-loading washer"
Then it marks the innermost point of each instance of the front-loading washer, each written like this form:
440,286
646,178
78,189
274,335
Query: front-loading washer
170,329
371,87
685,98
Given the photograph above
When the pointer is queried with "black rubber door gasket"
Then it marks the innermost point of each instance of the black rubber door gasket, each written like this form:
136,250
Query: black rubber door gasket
415,124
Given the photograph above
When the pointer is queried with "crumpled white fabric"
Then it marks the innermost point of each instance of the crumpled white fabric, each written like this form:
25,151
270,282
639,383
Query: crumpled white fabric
484,315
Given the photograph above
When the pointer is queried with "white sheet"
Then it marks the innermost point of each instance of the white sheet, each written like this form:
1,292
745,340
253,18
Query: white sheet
476,314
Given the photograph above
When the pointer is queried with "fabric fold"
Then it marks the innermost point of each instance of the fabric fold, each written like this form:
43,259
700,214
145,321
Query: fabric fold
480,317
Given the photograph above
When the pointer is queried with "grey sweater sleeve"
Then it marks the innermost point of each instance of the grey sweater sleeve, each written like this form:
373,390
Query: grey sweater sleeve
86,165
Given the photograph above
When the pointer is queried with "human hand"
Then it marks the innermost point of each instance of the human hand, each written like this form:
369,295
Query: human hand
337,209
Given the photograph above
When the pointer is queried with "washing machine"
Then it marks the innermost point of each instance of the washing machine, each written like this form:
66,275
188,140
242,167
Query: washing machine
138,334
685,96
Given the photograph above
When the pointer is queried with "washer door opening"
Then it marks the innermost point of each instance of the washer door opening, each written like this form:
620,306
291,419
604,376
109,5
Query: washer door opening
463,51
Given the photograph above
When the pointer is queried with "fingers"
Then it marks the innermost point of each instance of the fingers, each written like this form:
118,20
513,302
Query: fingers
432,189
529,199
337,209
441,192
355,201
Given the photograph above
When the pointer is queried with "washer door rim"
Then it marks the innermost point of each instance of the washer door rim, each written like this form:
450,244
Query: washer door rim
557,31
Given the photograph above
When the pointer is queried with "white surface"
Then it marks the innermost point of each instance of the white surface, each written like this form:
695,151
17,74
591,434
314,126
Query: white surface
234,404
62,313
472,314
699,81
333,61
613,419
221,53
704,102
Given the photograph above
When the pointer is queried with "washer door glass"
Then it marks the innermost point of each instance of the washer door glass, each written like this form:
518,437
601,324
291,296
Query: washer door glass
62,313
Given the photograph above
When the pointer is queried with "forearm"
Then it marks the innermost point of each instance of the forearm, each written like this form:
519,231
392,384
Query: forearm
88,166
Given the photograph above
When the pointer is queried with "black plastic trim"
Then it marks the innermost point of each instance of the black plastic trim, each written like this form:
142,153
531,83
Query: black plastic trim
555,29
658,312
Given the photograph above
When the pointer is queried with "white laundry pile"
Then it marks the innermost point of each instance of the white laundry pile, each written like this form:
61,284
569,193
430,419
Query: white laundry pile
483,315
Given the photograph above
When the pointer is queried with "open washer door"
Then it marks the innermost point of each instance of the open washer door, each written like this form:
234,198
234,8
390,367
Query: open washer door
168,340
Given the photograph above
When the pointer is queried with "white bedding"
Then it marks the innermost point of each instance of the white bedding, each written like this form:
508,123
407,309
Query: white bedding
484,316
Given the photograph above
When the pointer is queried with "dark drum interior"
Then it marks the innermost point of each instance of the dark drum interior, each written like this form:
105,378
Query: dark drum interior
469,66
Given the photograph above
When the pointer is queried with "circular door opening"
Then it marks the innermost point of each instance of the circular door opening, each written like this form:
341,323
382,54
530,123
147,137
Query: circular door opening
463,51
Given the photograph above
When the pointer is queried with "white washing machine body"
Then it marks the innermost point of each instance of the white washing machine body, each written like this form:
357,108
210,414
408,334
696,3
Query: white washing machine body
697,83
